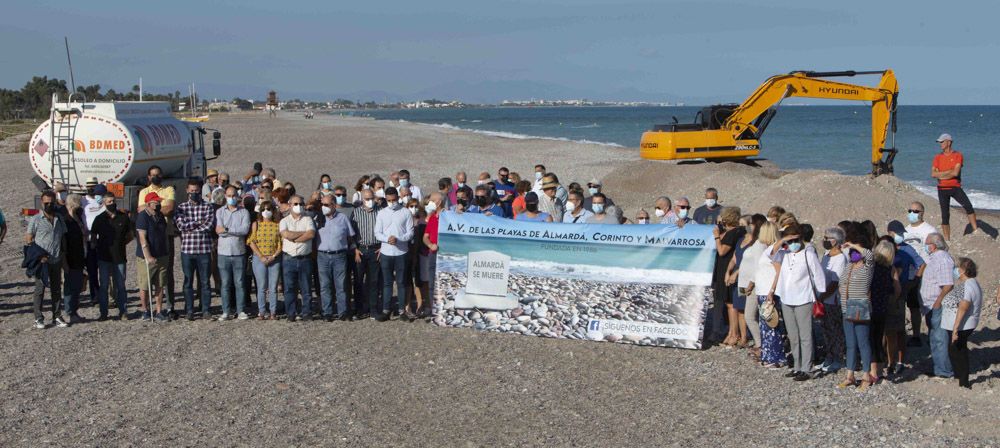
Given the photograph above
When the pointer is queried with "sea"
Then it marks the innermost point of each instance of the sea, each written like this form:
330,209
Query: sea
799,137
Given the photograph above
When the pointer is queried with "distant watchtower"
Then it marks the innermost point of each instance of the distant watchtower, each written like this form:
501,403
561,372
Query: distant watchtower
272,103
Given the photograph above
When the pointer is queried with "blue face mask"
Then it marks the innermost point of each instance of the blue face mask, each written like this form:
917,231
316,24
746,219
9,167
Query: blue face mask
927,248
683,213
340,200
794,247
231,201
598,208
956,273
326,185
593,191
898,239
912,217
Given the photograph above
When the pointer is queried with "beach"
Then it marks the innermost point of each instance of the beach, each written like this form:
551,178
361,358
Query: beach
406,384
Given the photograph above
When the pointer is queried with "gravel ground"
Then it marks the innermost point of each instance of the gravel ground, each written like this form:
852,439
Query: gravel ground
405,384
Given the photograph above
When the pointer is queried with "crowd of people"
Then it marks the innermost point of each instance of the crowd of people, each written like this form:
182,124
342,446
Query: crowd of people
369,251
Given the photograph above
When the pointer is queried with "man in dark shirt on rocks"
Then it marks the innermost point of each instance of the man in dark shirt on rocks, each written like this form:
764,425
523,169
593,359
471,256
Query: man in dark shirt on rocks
153,254
112,231
709,213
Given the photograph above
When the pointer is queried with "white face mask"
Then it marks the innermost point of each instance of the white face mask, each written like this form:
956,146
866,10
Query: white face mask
659,213
538,175
482,182
431,207
267,214
404,200
369,203
769,219
570,206
327,210
643,220
366,187
710,203
297,209
380,193
413,211
461,185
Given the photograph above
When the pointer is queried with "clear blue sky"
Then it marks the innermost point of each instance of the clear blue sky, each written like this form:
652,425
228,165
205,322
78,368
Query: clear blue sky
942,52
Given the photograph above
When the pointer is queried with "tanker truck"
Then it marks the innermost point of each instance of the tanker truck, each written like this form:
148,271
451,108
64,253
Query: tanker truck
117,142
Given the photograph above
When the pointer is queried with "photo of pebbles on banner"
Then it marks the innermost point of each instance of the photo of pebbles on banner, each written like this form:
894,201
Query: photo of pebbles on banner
637,284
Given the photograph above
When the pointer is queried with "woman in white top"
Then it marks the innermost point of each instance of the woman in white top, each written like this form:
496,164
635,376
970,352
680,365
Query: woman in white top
960,312
772,339
745,276
834,262
360,186
800,278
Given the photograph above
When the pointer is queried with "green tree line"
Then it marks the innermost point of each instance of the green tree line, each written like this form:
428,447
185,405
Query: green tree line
34,100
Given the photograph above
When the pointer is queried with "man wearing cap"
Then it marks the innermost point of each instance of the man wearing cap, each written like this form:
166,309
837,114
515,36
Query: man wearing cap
394,229
947,169
154,179
151,253
93,206
195,219
531,211
594,187
211,184
548,201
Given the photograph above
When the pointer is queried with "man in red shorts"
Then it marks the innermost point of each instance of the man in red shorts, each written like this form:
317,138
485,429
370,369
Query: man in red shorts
947,169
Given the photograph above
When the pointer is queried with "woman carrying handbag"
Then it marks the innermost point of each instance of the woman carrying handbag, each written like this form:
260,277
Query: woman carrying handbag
857,308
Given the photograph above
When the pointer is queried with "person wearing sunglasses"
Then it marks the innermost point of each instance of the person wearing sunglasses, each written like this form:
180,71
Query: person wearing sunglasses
915,234
681,213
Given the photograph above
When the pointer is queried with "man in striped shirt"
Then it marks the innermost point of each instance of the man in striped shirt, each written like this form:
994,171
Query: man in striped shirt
195,220
366,251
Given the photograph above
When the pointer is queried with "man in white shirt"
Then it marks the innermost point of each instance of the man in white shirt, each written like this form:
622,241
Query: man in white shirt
394,229
915,234
539,174
297,232
93,206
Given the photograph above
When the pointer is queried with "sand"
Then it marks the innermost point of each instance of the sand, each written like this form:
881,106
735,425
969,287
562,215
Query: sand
365,383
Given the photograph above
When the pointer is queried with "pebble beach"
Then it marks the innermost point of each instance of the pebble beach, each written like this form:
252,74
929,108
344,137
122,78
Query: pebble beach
365,383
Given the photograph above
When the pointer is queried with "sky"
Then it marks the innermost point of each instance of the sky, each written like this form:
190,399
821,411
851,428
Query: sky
699,51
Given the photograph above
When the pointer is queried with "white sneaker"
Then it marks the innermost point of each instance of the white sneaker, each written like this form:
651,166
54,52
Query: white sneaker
40,324
243,316
223,318
59,322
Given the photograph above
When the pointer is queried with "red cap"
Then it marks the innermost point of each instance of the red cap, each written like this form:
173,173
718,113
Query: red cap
152,196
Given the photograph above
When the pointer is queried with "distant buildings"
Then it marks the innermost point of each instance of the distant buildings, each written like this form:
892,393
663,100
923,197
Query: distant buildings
580,103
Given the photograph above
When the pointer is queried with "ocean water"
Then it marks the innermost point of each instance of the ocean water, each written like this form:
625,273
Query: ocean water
800,137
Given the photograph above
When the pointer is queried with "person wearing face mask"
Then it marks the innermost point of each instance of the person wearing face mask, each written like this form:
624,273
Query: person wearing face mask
359,186
517,206
460,184
428,254
335,240
366,255
601,213
915,234
166,193
394,179
907,262
726,241
232,226
539,174
404,195
663,210
937,282
680,215
746,274
394,229
405,180
297,233
265,242
800,280
962,309
378,187
855,303
462,201
444,187
92,206
594,187
325,185
709,213
151,252
211,184
738,291
549,201
506,191
417,294
73,247
483,203
575,212
195,219
641,217
834,263
112,231
531,211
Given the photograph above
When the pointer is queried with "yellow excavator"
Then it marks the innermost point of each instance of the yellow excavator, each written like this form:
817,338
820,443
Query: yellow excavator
733,131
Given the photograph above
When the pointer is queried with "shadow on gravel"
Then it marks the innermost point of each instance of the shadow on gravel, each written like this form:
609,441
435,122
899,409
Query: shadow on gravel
985,227
981,359
17,285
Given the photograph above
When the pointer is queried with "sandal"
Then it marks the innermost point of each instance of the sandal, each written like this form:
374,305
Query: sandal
262,316
743,343
866,383
847,383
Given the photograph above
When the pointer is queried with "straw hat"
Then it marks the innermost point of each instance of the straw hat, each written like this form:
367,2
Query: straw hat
549,184
769,314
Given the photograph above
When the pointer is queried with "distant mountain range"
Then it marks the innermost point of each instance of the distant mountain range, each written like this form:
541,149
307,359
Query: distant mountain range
480,92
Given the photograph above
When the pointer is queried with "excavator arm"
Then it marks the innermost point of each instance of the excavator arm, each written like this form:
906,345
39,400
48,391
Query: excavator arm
810,85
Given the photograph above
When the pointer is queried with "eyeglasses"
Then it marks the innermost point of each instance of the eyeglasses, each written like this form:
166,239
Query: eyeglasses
915,211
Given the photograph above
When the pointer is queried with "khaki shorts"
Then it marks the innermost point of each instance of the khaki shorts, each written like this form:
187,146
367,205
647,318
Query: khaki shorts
158,274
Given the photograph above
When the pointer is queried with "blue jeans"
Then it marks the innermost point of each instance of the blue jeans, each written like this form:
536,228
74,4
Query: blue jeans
232,269
332,273
857,338
297,273
203,263
267,284
71,290
393,270
112,272
939,344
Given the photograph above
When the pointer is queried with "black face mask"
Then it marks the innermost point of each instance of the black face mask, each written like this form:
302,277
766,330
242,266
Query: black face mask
157,208
531,207
195,197
482,200
827,245
112,207
48,208
90,191
463,202
504,178
155,180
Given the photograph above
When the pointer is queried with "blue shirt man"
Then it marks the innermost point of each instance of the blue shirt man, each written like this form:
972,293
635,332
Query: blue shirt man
336,240
506,191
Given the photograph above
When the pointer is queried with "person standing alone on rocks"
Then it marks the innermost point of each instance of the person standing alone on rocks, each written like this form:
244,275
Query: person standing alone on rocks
947,169
709,213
